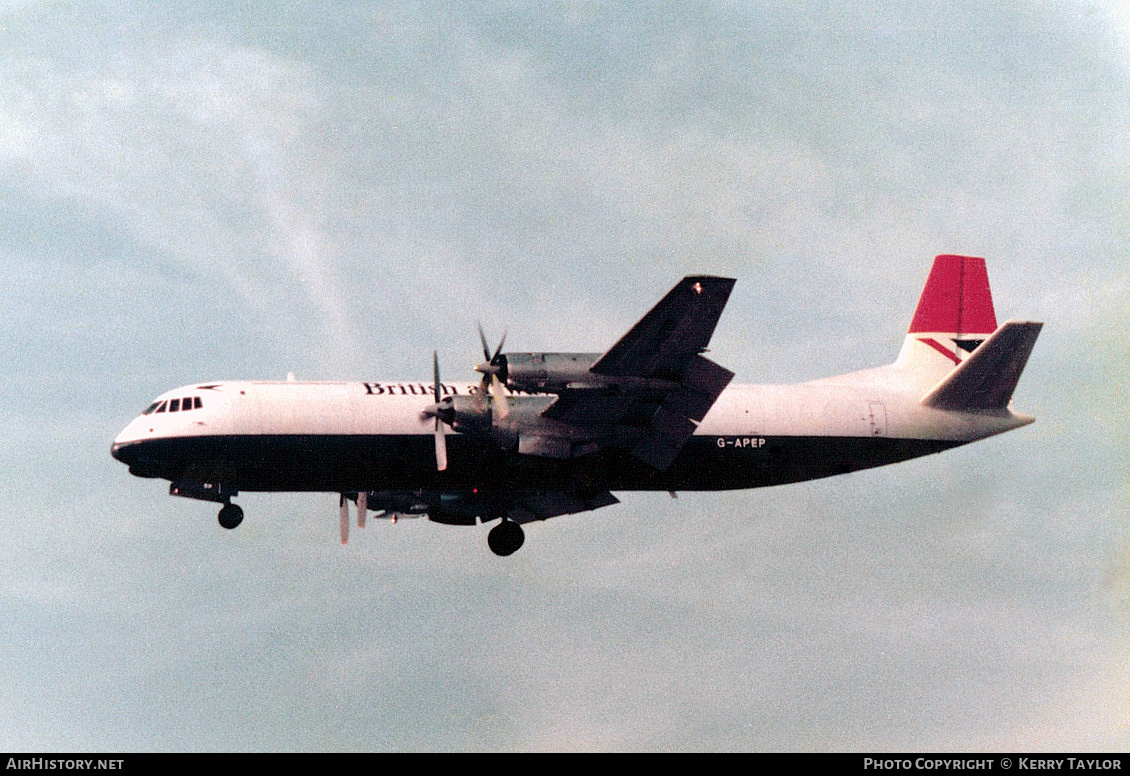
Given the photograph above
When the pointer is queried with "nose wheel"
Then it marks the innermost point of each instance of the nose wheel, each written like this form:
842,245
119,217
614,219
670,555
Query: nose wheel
230,516
505,538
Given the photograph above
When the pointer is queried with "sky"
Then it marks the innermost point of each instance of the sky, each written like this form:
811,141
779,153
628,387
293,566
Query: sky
203,191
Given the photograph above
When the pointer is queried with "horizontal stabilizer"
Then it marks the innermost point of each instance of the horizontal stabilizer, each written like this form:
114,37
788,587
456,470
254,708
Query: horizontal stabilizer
986,379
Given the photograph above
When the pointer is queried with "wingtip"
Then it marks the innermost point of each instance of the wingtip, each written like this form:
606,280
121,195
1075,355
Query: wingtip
710,278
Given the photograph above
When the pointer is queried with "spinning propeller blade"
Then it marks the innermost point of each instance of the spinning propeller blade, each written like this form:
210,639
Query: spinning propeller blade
343,509
490,369
441,440
490,359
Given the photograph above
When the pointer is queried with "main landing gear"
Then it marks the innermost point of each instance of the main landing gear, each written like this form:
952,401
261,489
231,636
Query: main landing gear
231,515
505,538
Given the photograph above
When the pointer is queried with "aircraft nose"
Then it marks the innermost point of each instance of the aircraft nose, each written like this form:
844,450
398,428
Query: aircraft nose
138,457
121,447
120,451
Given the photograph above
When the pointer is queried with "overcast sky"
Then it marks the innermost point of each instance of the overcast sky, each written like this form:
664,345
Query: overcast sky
211,191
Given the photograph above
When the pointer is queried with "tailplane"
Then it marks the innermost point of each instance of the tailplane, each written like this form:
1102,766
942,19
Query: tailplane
984,381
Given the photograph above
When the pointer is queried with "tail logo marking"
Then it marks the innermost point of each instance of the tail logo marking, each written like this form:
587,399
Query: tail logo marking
951,355
968,345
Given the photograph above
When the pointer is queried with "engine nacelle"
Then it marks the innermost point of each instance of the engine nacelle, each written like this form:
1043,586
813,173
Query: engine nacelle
547,372
476,415
452,516
557,372
396,502
465,414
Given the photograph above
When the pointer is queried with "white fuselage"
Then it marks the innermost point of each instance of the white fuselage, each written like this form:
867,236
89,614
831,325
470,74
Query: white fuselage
349,436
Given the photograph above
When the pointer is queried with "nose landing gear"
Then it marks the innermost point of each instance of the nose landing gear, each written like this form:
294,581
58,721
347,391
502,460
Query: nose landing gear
230,515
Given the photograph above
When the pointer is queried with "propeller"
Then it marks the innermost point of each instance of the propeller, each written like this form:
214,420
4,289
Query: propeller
343,513
443,410
343,509
434,411
490,369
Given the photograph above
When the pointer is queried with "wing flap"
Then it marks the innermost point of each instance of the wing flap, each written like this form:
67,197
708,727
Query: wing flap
664,439
677,417
702,384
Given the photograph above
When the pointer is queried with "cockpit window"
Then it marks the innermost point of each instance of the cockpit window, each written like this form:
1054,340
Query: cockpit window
183,404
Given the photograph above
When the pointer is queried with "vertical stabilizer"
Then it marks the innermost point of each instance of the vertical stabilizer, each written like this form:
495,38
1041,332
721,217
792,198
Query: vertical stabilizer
954,315
956,298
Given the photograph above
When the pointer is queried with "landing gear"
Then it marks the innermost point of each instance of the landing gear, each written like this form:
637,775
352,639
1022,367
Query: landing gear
230,516
505,538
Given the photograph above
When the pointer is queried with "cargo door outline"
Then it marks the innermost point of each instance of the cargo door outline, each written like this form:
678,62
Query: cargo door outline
877,418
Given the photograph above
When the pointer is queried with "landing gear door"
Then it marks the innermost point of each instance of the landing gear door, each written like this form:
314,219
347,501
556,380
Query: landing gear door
877,417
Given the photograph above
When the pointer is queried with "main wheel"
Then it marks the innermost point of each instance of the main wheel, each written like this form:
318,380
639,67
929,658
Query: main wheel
505,538
230,516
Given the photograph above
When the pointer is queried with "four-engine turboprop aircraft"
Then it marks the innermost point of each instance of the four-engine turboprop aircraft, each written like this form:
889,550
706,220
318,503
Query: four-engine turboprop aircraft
549,434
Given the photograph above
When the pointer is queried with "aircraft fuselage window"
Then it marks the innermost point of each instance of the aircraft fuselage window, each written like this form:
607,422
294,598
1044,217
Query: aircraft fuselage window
174,405
161,406
150,408
197,403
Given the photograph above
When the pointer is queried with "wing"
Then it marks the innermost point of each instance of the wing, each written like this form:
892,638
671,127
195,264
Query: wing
542,505
467,507
667,386
666,340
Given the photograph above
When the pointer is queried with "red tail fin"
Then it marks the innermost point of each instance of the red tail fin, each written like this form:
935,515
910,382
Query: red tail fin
956,298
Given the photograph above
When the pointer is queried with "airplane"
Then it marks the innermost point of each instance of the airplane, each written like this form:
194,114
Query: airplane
542,435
